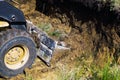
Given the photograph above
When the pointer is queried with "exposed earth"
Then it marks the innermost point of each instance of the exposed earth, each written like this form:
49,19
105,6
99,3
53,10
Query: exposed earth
92,37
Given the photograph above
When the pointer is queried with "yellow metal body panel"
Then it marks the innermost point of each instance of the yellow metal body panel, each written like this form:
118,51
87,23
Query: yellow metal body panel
4,24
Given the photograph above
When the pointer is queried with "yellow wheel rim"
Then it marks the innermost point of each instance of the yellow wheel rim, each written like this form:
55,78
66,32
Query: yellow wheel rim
16,57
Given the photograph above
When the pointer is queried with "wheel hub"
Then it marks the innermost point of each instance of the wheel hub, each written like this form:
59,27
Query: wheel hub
16,57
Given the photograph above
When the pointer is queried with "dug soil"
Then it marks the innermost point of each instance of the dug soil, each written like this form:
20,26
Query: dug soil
90,34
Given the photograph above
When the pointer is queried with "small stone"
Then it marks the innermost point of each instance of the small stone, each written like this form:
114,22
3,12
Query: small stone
44,70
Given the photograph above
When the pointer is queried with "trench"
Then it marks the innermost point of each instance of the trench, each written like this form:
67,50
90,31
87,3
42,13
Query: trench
101,26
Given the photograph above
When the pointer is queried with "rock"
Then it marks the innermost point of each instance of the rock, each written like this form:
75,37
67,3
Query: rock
44,70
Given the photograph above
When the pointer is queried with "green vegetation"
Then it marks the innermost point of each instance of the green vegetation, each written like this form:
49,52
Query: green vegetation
116,3
28,76
56,33
89,73
85,70
47,27
106,73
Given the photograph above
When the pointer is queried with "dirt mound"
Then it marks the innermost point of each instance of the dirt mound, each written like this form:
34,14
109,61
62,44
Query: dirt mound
101,27
92,36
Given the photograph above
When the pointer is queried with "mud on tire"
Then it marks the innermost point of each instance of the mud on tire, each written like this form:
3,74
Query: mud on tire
17,51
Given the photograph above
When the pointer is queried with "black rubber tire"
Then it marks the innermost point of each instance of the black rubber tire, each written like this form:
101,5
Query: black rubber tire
9,39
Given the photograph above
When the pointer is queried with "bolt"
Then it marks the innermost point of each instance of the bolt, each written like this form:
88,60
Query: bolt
13,17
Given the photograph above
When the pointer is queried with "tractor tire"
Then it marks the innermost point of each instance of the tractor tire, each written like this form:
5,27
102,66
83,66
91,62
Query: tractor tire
17,52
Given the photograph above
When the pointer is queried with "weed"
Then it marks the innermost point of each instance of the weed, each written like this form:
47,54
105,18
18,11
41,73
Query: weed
92,71
29,77
55,33
74,74
116,3
110,69
45,27
111,73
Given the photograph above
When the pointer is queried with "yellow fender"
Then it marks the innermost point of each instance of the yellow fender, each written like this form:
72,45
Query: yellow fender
4,24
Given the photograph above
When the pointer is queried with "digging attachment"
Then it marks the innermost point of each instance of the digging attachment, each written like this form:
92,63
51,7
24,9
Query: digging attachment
45,44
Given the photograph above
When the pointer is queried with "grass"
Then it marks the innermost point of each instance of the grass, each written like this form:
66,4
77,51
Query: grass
66,74
28,77
82,73
47,27
116,3
55,33
110,73
107,73
91,71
